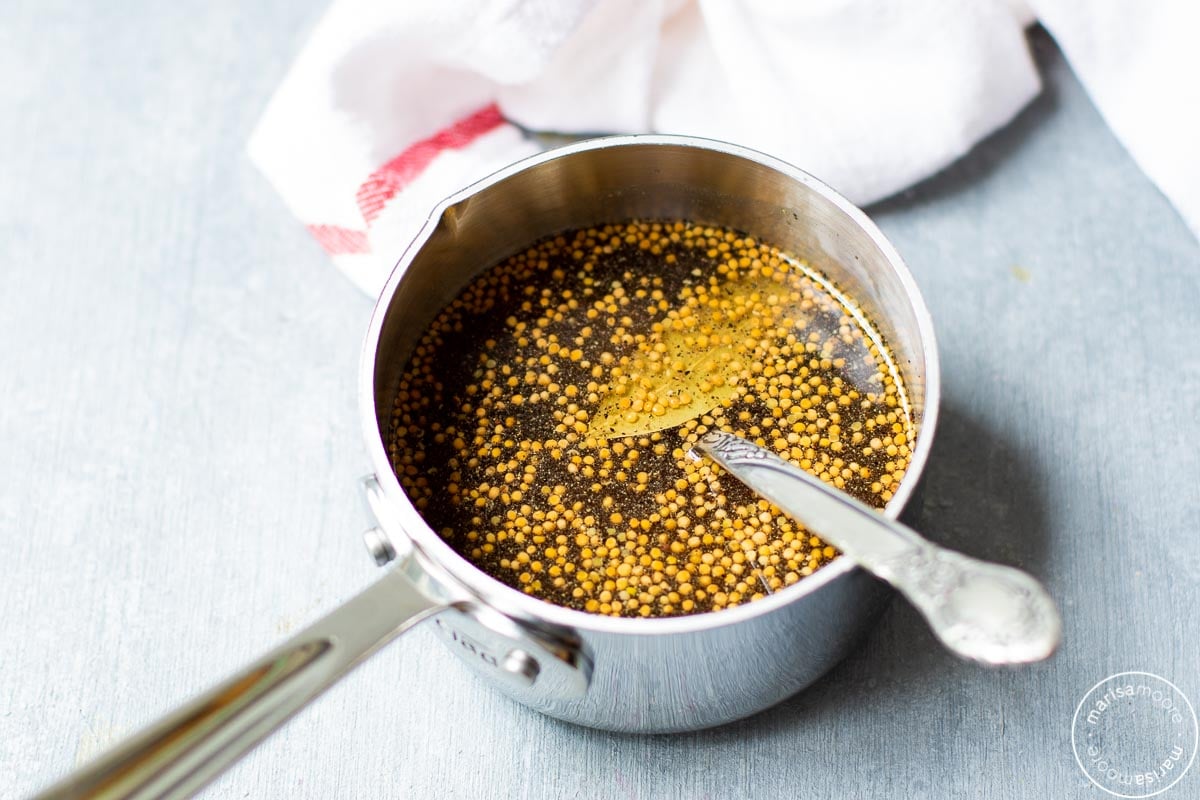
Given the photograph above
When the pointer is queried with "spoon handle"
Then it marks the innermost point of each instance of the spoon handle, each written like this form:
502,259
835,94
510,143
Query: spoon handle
981,611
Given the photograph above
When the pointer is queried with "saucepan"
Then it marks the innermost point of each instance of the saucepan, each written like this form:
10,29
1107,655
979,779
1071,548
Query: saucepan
619,674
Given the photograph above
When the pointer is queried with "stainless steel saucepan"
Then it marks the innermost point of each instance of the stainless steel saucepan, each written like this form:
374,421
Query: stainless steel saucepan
638,675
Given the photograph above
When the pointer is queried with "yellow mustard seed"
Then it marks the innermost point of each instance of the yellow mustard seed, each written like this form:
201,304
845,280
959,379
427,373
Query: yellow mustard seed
543,422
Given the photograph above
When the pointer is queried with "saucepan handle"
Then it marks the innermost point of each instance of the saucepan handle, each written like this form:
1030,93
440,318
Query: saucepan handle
180,753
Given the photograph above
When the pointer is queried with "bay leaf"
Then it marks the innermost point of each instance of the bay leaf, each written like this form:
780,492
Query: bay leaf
690,389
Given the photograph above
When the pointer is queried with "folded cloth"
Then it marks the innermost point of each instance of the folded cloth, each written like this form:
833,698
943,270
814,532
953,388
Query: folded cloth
393,106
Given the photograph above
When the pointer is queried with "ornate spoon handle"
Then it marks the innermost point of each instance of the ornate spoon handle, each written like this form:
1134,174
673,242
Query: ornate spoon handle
982,611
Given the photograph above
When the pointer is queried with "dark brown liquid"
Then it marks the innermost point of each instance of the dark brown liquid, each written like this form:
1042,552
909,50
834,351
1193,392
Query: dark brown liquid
508,420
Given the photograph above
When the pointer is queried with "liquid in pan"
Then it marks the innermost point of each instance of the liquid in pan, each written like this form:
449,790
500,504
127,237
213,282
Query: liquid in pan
544,422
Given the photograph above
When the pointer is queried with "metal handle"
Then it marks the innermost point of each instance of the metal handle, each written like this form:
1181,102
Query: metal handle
180,753
981,611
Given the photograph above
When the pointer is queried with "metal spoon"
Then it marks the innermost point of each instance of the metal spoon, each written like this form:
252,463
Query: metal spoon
980,611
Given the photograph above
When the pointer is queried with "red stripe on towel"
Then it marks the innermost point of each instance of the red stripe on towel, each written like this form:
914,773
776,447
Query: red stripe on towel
385,182
338,241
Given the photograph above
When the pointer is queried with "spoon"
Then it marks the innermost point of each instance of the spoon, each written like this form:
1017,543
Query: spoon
980,611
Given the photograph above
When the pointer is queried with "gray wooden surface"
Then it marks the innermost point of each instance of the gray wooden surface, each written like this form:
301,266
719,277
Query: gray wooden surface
179,448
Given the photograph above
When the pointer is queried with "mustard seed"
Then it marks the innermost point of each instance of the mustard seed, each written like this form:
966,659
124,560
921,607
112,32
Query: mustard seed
543,423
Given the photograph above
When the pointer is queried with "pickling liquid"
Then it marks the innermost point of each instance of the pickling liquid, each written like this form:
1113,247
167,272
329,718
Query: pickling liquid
544,423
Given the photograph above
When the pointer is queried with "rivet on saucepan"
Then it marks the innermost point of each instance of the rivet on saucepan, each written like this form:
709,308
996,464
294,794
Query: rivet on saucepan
379,546
522,667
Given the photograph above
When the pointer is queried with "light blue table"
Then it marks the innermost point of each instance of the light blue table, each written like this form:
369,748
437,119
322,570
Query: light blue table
179,447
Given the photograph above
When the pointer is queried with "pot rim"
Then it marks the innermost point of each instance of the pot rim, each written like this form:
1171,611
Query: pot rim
514,603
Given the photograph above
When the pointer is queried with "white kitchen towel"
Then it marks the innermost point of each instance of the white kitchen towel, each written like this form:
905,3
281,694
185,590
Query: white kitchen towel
394,105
